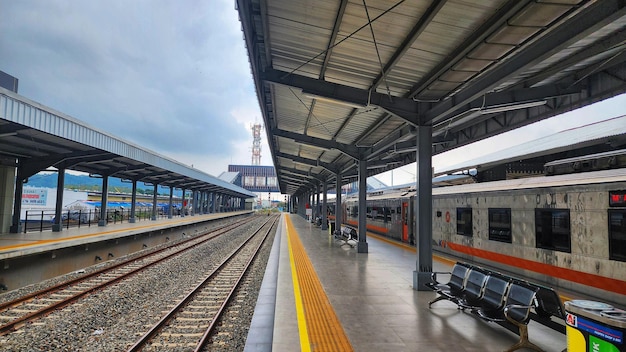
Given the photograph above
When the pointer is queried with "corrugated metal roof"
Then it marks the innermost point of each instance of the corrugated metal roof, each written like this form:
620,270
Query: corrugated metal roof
395,65
229,177
32,130
593,177
564,140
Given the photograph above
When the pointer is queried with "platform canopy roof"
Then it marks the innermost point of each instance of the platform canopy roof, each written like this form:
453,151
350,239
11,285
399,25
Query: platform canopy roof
340,82
34,137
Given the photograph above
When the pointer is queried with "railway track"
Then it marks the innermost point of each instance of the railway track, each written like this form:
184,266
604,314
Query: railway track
192,321
18,312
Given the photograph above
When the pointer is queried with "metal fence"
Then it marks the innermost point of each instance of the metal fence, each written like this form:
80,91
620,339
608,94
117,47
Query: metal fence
40,220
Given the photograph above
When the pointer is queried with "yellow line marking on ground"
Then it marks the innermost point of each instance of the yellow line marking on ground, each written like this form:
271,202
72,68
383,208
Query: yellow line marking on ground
324,331
305,345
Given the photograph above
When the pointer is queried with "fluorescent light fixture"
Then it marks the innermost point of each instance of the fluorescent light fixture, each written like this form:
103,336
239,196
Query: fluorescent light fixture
459,118
8,134
333,101
510,107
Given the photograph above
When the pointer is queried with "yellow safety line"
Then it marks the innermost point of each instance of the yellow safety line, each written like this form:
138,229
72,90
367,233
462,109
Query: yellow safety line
324,332
305,345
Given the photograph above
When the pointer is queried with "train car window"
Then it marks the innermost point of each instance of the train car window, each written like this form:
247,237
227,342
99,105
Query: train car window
552,229
500,224
617,234
464,221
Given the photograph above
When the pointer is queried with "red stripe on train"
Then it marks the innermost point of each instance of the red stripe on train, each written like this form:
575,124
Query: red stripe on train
580,277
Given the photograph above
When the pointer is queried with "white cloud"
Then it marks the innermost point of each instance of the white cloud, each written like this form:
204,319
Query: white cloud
169,76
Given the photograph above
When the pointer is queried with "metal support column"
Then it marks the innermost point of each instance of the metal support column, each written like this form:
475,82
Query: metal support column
183,208
338,217
362,246
133,203
316,212
170,212
424,209
104,199
324,209
16,224
57,226
213,201
154,202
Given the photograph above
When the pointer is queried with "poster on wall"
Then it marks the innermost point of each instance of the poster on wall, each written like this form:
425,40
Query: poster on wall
35,196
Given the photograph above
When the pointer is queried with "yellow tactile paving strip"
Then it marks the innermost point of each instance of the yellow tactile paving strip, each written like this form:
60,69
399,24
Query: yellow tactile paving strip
320,330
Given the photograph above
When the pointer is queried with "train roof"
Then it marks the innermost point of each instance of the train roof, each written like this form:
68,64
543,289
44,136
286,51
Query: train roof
608,131
583,178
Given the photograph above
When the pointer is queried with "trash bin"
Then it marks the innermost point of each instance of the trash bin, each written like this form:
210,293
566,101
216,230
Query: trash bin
331,227
594,326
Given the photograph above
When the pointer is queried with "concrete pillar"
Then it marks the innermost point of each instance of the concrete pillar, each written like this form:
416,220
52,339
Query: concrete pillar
133,205
362,246
424,209
324,205
103,201
57,226
154,202
7,186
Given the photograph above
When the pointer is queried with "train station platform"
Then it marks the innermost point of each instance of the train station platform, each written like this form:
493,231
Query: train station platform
321,295
14,245
32,257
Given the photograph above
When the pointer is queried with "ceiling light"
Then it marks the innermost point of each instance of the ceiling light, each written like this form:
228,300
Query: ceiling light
333,100
509,107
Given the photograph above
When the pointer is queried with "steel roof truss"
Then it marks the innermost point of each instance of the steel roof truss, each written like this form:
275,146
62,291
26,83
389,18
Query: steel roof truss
349,150
583,22
406,109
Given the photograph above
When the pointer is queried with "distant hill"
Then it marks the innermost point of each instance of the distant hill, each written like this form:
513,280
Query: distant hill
86,183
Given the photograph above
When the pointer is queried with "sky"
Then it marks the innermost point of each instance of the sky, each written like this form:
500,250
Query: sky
174,77
169,76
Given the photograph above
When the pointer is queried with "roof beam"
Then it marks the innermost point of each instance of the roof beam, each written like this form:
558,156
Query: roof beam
478,36
333,37
586,21
611,43
347,149
306,161
417,30
404,108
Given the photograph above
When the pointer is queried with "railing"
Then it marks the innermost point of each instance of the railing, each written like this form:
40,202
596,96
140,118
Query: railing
40,220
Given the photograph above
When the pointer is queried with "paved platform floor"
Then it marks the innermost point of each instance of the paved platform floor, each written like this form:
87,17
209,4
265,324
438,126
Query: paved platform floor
374,301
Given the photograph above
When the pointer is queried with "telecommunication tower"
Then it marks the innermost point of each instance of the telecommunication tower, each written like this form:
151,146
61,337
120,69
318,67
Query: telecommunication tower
256,144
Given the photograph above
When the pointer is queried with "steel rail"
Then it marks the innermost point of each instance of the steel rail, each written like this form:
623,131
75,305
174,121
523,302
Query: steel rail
14,324
148,336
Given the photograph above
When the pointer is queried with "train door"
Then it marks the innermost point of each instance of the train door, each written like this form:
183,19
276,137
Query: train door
405,222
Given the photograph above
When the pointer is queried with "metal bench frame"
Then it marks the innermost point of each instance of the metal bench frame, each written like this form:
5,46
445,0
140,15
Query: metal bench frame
505,300
346,234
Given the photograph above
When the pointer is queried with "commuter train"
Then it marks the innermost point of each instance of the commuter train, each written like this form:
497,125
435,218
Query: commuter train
568,231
